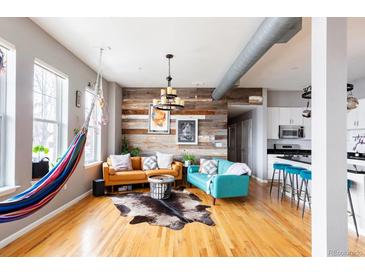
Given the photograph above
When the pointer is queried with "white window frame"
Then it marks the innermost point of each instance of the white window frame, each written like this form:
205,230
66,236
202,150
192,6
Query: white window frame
61,92
7,138
3,92
97,133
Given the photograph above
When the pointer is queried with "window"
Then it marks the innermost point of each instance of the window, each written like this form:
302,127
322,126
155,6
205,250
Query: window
3,84
48,93
92,146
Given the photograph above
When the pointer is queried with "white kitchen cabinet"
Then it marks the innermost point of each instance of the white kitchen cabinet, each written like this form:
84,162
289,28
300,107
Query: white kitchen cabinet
296,116
291,116
361,114
352,118
273,123
307,123
356,117
284,116
271,159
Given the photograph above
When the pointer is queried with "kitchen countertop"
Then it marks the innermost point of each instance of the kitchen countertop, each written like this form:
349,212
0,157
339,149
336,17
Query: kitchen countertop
289,151
358,169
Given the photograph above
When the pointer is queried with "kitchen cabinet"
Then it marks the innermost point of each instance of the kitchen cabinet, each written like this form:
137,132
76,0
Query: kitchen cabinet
291,116
273,123
307,123
271,159
356,117
283,116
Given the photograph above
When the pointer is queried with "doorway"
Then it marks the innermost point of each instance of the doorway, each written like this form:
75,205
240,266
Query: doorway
246,142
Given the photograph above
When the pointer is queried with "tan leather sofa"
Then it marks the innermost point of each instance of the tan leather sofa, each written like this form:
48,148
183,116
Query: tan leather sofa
137,175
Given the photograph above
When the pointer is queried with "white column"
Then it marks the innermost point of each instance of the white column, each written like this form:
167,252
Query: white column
329,78
115,118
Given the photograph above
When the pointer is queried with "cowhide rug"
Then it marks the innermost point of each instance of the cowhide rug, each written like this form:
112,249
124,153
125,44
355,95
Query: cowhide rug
181,208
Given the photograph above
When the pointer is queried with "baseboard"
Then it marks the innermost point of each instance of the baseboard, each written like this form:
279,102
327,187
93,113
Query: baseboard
258,179
38,222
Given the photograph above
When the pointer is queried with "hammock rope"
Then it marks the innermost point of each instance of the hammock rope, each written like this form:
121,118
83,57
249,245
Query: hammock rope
42,192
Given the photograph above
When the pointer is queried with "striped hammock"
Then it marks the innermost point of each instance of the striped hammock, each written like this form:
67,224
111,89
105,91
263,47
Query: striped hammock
42,192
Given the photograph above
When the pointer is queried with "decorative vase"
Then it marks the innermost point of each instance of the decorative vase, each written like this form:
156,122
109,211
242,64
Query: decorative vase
187,163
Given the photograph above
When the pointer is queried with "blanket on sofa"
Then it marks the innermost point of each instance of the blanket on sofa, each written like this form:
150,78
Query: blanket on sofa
235,169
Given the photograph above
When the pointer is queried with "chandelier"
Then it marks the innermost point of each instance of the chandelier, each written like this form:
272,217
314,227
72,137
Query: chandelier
168,100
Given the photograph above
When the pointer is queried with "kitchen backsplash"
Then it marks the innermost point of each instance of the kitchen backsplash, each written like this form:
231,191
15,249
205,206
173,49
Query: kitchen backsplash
356,141
304,144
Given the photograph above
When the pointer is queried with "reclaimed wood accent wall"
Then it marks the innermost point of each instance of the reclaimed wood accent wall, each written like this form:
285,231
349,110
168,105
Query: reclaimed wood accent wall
212,121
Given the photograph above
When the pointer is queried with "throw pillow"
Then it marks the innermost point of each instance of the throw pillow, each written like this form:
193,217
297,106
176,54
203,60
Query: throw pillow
209,167
121,162
164,160
149,163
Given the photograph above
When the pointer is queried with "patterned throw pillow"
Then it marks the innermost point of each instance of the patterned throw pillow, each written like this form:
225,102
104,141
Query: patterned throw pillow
149,163
209,167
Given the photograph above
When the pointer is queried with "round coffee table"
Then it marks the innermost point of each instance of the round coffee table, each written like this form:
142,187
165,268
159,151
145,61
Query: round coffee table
160,186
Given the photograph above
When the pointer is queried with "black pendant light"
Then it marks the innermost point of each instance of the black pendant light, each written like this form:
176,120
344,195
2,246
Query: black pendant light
168,99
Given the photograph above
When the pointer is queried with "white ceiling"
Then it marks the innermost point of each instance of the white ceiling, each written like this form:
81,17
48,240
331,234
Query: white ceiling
204,48
287,66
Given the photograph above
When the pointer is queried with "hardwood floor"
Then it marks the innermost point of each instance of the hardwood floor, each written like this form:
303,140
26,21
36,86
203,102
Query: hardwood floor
259,226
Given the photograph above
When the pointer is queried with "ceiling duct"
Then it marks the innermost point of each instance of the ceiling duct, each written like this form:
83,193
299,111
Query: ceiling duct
272,30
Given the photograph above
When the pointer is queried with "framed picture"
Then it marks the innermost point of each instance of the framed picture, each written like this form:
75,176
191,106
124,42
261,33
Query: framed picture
187,131
158,121
78,98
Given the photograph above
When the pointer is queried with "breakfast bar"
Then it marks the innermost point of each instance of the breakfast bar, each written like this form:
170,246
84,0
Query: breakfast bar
355,173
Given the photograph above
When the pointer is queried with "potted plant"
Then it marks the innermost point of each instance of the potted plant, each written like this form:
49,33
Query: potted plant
40,167
189,159
125,146
135,151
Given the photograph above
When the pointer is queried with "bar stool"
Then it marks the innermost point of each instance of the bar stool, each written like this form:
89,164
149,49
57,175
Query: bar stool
306,176
293,173
349,185
281,168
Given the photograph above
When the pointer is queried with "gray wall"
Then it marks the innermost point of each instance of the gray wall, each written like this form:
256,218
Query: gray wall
32,42
277,98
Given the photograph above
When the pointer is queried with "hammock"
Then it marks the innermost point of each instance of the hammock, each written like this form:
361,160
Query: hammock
42,192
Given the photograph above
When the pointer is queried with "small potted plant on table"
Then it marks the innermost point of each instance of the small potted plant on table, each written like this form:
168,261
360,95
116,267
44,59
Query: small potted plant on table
188,159
40,167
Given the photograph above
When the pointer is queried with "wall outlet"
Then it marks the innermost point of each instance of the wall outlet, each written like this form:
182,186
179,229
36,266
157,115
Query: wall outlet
65,187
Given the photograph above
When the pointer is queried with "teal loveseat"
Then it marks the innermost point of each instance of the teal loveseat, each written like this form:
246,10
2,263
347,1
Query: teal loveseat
222,186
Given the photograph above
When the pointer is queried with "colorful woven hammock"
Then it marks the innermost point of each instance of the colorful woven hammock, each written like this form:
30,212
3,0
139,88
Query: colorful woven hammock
41,193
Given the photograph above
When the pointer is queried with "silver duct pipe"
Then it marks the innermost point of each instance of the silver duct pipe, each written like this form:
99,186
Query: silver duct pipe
271,31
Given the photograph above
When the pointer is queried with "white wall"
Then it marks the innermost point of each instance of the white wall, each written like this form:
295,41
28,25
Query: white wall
259,137
281,98
32,42
359,88
115,119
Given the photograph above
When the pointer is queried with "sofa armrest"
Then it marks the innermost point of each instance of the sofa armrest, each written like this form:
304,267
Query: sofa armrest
193,169
106,172
230,186
178,166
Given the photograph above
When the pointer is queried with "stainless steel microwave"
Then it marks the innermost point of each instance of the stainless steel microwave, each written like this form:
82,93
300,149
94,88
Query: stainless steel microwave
291,132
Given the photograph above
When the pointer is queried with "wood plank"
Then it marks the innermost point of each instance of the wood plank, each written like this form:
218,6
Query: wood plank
254,226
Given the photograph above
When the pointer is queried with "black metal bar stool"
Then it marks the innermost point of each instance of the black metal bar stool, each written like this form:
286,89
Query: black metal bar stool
293,173
349,186
278,167
306,176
